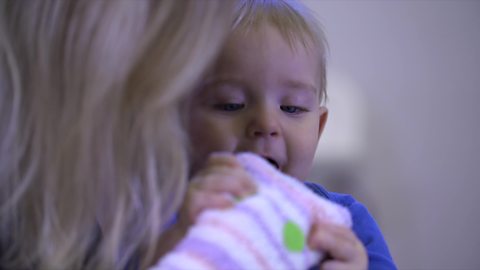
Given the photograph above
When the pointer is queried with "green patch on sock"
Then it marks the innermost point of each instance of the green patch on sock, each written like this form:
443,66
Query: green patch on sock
293,237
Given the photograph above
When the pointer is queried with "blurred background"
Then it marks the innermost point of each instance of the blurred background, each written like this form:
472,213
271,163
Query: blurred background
403,133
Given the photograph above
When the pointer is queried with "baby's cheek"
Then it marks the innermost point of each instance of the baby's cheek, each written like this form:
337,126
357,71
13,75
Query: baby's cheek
212,139
301,164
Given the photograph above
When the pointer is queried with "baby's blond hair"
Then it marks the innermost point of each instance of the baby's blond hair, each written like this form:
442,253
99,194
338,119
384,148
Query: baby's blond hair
295,22
90,133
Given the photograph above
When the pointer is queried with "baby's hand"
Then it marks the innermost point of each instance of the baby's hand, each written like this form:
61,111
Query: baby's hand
222,181
217,185
342,247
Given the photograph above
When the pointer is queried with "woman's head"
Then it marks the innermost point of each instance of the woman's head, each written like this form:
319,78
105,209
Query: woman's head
90,131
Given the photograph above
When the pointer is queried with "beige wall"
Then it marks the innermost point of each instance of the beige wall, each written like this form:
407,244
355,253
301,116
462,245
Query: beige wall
405,102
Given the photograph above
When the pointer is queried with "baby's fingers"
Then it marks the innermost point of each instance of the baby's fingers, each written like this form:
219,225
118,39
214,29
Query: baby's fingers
336,265
223,173
206,200
222,159
341,244
337,240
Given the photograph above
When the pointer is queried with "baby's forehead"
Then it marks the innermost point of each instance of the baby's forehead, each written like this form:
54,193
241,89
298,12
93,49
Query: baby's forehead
268,37
296,38
244,50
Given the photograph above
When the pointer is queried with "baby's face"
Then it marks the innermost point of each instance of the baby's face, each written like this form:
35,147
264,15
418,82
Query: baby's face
261,97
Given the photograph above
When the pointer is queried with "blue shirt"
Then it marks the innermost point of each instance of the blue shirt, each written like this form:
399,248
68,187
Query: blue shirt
364,226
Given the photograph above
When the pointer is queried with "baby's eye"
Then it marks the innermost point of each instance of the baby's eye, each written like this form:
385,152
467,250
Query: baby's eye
290,109
229,107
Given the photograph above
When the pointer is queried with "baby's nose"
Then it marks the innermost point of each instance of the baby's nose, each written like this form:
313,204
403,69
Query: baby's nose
263,124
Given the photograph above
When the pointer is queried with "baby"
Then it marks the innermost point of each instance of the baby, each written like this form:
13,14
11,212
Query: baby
265,95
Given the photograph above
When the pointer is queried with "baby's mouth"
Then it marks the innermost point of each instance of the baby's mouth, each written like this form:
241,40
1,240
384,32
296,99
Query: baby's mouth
272,161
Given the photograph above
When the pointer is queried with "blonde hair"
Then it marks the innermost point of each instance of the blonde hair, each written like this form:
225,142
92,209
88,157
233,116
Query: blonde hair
295,22
93,158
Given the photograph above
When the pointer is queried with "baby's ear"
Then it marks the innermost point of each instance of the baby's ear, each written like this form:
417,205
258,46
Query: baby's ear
322,120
